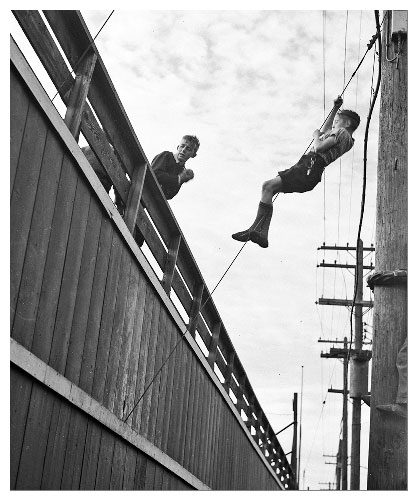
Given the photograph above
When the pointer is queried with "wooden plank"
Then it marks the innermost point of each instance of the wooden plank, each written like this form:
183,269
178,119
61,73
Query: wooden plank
140,474
106,324
173,370
88,364
183,294
105,459
165,378
84,292
210,430
134,197
152,375
195,308
178,421
126,335
90,458
150,475
70,277
117,467
115,344
19,108
55,260
29,476
185,401
78,96
129,469
55,451
195,423
23,199
188,443
142,362
20,396
161,358
170,262
131,374
74,453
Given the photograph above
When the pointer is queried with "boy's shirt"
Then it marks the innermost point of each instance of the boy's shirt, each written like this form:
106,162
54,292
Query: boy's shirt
344,142
166,170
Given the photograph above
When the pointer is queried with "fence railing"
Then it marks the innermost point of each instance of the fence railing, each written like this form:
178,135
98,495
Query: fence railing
94,110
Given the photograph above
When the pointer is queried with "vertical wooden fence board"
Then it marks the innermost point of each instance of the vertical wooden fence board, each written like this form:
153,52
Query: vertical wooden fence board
37,246
209,435
172,370
115,344
90,457
161,356
129,468
117,468
66,304
83,297
140,473
182,391
20,396
55,260
188,443
105,460
34,444
130,379
142,362
203,414
127,335
215,439
55,452
23,199
151,370
186,395
19,107
107,316
74,453
150,475
176,407
96,306
164,380
195,423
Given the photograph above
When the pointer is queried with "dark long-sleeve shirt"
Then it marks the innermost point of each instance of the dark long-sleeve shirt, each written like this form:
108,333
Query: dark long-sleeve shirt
166,170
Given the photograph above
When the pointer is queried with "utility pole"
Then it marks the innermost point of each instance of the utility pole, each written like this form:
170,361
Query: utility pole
387,463
360,362
342,353
294,439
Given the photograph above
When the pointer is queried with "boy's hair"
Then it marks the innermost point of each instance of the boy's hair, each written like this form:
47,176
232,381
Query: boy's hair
353,116
194,141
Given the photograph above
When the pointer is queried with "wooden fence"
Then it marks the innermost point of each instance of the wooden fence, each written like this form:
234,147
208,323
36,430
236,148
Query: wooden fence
92,320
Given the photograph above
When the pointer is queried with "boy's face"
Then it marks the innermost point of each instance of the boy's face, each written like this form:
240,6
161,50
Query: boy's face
339,121
185,150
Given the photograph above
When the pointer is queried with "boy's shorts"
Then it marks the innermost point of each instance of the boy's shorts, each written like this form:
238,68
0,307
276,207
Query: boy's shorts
296,180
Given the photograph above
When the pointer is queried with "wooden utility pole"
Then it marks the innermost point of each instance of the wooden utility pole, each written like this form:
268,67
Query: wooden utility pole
294,439
359,368
387,464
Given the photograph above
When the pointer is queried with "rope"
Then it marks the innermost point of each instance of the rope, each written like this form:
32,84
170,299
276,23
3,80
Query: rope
368,121
230,265
82,56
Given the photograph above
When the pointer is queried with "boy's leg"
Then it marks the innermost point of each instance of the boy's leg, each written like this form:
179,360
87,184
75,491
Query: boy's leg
258,231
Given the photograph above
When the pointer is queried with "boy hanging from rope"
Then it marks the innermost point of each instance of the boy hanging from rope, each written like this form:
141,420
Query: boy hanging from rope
329,143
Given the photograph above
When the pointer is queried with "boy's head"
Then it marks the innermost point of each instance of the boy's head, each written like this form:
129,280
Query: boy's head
350,119
187,148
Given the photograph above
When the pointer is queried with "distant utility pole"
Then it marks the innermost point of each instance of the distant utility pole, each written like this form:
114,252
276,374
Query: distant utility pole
294,439
342,353
360,362
387,462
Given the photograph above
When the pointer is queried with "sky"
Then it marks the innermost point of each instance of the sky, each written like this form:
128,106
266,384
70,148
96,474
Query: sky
253,83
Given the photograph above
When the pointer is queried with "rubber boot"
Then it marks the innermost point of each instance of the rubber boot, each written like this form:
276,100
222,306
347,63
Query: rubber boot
260,225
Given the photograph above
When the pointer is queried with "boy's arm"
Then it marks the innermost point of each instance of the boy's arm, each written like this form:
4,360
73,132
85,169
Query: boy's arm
327,125
164,178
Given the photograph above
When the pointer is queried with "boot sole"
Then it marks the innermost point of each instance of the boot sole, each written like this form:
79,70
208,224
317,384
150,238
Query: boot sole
256,238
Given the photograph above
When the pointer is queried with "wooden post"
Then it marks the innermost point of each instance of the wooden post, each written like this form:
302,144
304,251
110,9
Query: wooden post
170,262
355,451
345,419
79,93
294,438
387,464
